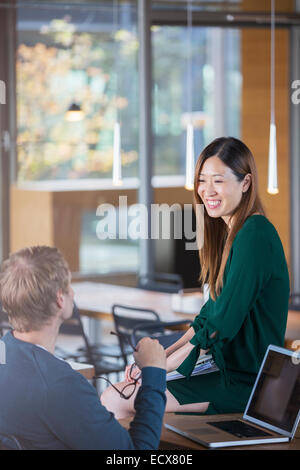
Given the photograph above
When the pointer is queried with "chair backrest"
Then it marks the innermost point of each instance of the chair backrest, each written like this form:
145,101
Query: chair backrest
4,323
167,333
294,301
74,326
126,318
161,282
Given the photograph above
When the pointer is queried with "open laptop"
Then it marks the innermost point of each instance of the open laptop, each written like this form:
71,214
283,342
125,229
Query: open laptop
271,415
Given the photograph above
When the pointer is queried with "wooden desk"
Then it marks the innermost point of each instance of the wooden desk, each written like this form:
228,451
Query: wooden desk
95,300
172,441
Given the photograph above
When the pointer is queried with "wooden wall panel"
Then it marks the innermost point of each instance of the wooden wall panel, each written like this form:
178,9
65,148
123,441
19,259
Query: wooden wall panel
54,217
264,5
31,219
255,55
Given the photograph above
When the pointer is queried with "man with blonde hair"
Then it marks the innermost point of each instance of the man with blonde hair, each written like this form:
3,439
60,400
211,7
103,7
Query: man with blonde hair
44,402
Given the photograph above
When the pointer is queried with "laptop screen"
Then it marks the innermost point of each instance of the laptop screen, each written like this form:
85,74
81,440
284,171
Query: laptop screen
276,398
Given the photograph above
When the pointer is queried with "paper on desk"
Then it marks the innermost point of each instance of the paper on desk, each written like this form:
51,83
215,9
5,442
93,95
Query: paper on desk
78,365
204,365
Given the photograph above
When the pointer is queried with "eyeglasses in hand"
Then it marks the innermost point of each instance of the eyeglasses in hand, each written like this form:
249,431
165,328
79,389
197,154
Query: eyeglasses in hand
128,390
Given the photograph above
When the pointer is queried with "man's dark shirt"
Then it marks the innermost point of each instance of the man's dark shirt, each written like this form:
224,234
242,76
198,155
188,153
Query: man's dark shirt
50,406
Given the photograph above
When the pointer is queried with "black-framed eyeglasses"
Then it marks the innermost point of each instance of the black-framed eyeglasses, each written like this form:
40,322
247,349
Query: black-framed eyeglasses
128,390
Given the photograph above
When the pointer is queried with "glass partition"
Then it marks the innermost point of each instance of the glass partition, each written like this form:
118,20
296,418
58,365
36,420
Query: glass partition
77,73
85,55
215,91
82,55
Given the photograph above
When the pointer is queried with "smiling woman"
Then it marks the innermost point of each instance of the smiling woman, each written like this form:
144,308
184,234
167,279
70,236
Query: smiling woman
220,193
243,262
226,183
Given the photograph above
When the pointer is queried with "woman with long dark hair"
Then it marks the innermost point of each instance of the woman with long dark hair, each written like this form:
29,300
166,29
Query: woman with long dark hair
243,262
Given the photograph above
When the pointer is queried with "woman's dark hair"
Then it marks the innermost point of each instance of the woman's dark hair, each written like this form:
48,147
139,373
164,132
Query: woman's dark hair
217,237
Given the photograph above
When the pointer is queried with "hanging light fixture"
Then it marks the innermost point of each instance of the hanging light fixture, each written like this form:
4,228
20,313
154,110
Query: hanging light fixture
190,157
74,113
190,153
117,164
117,156
272,170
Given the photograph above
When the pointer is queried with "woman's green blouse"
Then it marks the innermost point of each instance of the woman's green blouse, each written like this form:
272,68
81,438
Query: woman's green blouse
251,311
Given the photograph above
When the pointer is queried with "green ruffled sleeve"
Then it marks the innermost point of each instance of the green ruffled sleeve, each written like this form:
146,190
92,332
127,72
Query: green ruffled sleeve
248,272
200,319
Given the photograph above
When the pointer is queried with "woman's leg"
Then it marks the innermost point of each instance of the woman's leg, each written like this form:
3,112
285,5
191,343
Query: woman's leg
173,405
122,408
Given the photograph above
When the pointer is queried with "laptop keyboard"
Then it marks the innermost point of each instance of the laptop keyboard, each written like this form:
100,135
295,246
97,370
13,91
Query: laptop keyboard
239,429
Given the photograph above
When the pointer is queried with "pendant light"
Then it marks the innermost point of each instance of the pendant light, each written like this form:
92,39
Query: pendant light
190,153
74,113
190,157
117,157
117,164
272,170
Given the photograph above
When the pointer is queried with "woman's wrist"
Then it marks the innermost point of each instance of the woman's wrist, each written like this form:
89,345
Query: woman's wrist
178,356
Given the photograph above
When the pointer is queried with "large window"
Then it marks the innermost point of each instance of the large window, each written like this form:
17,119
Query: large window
86,54
208,92
82,54
105,256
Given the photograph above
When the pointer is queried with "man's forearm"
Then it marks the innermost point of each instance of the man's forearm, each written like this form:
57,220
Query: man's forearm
150,402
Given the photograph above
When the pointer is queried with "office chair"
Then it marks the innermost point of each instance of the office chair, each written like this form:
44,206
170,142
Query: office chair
4,323
161,282
87,354
294,301
162,331
109,350
125,319
131,327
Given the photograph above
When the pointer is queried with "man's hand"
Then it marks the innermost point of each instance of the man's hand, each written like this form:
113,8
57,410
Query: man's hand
149,353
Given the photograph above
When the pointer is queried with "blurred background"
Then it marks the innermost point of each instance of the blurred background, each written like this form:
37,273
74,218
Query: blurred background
205,59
